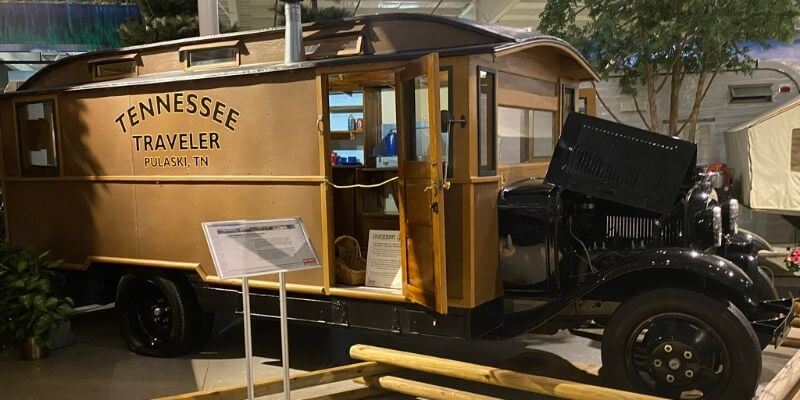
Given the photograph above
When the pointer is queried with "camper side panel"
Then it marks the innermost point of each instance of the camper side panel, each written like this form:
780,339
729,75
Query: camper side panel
141,168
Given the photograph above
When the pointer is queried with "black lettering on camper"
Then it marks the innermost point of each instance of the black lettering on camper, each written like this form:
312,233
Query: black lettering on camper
178,102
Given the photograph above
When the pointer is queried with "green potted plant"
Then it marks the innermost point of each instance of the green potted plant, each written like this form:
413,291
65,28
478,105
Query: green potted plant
30,310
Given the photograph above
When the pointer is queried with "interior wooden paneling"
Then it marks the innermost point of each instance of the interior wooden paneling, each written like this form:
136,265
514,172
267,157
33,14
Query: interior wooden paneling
169,218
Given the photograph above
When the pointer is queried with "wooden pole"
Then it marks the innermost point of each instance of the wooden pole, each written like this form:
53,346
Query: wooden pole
490,375
784,382
274,385
352,394
420,389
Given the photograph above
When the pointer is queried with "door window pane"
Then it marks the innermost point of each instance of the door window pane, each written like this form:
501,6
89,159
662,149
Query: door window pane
36,128
418,121
486,123
524,134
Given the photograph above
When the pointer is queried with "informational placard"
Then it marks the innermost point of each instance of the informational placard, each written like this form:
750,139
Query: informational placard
241,249
248,248
383,260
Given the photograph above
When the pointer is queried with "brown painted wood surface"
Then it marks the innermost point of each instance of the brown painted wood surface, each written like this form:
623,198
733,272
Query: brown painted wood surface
421,202
299,381
490,375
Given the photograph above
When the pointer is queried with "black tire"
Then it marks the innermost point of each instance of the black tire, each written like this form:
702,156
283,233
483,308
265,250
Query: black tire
157,315
668,315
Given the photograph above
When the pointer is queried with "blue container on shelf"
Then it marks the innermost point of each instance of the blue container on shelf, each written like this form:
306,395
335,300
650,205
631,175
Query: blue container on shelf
390,143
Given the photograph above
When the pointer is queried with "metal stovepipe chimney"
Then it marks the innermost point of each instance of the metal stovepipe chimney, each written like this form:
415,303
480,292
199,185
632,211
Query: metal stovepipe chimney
294,51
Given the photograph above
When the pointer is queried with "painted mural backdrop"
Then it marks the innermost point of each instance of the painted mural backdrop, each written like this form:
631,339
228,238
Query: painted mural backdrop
62,26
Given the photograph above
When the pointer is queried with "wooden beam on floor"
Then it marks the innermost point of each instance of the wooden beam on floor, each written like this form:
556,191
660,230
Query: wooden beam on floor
420,389
784,384
492,376
352,394
792,339
274,385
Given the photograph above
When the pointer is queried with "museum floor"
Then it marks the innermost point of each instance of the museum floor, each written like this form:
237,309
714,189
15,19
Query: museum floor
99,366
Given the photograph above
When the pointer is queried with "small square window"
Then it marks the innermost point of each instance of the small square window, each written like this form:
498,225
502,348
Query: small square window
36,130
114,68
219,55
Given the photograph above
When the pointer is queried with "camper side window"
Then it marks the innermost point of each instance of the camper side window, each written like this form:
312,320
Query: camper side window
36,130
795,156
215,56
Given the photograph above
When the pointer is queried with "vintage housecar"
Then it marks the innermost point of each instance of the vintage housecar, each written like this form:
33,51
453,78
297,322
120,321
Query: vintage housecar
113,160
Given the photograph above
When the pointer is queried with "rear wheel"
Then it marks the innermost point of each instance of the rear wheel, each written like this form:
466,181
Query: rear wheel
158,315
681,344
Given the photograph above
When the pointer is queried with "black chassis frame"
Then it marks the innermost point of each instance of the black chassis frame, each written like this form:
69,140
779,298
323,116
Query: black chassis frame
487,321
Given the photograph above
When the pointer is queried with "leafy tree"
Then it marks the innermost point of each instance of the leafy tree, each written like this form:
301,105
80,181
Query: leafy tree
650,43
161,20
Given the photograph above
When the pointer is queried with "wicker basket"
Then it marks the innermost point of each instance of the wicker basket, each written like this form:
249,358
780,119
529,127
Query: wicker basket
351,268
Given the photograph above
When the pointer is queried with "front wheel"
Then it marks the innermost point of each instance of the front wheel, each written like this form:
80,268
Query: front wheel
681,344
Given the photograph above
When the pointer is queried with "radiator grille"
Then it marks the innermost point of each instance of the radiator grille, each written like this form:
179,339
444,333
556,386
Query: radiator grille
642,230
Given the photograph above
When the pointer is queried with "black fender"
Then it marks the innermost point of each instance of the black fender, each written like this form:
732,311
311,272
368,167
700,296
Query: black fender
759,243
641,265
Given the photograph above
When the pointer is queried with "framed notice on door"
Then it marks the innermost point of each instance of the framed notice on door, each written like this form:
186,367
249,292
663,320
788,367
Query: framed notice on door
247,248
383,260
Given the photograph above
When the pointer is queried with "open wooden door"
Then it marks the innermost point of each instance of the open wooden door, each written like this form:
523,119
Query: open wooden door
421,204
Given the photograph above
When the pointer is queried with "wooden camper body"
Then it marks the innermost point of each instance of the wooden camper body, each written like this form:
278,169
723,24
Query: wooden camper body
249,139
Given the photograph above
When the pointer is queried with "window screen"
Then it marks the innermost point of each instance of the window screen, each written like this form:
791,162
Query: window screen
523,135
107,69
795,156
36,128
486,123
219,55
760,93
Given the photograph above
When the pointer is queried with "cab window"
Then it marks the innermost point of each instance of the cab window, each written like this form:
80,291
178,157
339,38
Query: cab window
36,130
487,132
524,135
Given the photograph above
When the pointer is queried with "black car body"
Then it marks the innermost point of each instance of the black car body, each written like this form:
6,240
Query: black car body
580,235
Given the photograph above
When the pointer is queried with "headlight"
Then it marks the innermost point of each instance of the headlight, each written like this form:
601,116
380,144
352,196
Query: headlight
716,225
733,216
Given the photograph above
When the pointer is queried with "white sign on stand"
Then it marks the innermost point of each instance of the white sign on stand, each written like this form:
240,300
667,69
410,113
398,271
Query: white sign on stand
241,249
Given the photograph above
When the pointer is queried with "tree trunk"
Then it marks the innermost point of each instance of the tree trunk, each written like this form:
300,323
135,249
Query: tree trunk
698,98
652,101
674,98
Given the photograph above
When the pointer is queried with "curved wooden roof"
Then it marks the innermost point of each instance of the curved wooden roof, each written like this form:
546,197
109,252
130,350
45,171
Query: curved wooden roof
386,37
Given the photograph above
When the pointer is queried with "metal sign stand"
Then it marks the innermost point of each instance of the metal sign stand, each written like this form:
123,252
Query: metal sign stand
248,338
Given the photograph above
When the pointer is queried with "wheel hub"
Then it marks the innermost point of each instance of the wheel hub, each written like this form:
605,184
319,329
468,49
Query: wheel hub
674,362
